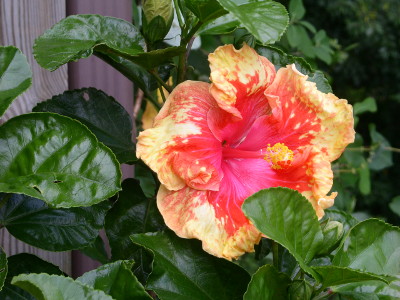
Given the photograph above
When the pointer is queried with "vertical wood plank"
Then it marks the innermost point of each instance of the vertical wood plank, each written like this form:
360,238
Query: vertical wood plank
21,21
92,72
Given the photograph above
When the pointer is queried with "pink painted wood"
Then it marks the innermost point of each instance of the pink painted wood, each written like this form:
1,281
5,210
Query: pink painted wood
93,72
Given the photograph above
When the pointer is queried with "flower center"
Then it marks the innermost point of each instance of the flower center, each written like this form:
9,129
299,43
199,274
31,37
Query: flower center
279,155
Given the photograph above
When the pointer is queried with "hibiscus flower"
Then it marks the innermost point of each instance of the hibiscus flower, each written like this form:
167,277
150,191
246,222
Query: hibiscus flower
214,145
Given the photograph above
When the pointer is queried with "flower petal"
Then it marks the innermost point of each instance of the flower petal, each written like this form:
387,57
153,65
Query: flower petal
216,218
236,75
190,214
308,116
180,147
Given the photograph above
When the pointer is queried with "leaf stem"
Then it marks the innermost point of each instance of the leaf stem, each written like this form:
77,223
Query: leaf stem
160,81
275,254
372,148
178,14
162,94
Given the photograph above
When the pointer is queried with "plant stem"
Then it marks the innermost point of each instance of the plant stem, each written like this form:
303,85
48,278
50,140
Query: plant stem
275,254
162,94
160,81
187,42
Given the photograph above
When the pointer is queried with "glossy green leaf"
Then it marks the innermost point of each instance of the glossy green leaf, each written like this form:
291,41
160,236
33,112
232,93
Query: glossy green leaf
367,105
380,155
104,116
371,246
182,270
115,279
370,290
267,284
296,10
222,25
77,36
56,159
52,287
24,263
3,267
96,250
334,275
280,59
300,290
266,20
395,205
15,76
288,218
33,222
205,10
132,213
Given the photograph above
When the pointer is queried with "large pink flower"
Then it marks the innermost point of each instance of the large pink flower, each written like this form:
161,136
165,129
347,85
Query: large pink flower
214,145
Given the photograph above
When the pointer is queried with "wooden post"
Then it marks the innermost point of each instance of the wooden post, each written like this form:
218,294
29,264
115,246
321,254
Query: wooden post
21,21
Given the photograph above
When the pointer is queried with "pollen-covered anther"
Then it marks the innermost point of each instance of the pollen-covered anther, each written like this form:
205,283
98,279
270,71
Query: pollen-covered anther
279,155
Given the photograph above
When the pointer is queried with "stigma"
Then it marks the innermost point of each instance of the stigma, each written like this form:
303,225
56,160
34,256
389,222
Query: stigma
279,155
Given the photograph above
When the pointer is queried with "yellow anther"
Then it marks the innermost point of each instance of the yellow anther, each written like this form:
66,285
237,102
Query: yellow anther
279,155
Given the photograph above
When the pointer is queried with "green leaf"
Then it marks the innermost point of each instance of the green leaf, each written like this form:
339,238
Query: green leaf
309,26
267,284
24,263
56,159
280,59
115,279
104,116
367,105
334,275
395,205
288,218
182,270
77,36
371,246
223,25
321,81
32,221
296,35
157,57
381,156
132,213
266,20
346,219
53,287
205,10
96,250
370,290
364,183
3,267
296,10
147,183
15,76
132,71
